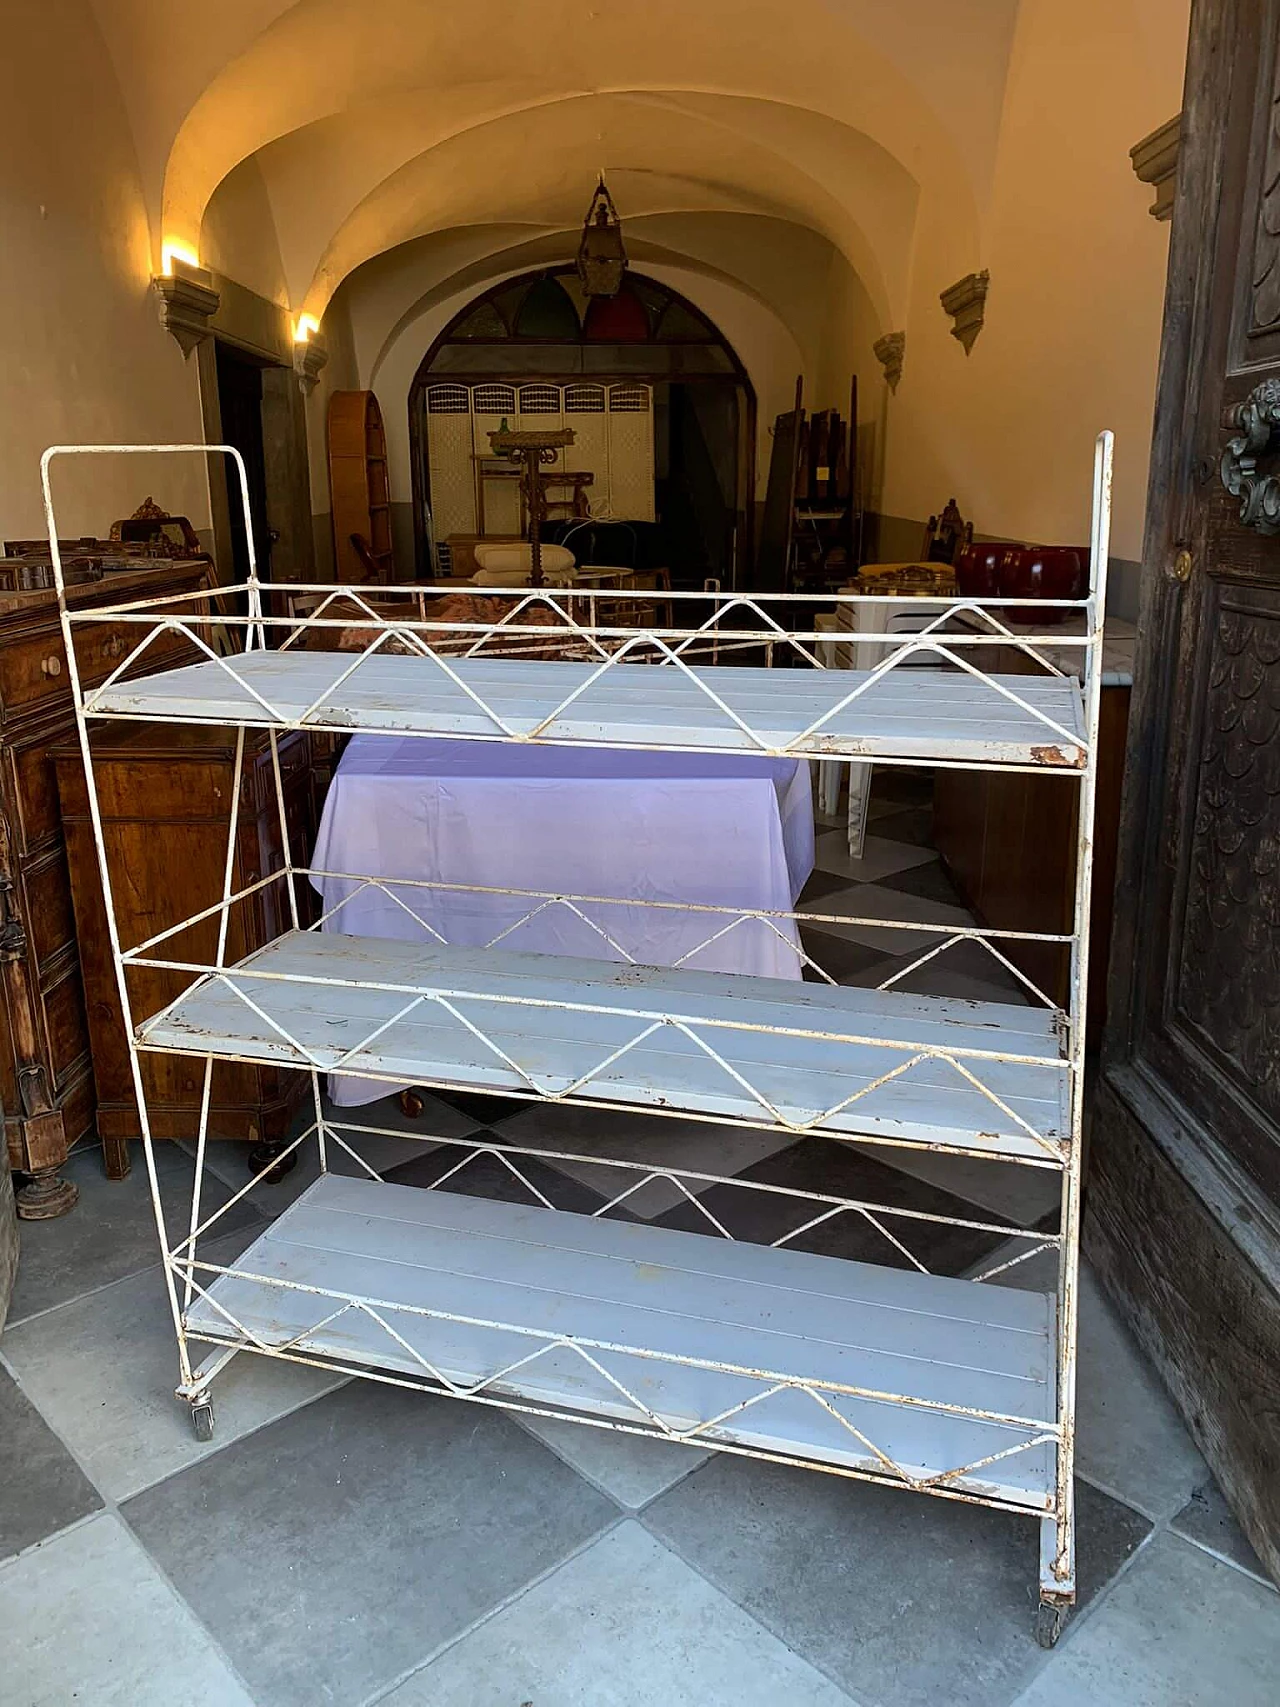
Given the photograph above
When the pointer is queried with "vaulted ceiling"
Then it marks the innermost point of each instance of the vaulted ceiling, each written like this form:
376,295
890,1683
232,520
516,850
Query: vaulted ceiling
296,144
371,126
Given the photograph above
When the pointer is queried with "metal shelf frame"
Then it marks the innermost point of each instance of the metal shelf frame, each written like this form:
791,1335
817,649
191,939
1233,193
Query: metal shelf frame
945,1385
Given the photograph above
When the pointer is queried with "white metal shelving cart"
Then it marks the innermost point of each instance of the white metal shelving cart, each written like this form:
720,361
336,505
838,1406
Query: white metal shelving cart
950,1386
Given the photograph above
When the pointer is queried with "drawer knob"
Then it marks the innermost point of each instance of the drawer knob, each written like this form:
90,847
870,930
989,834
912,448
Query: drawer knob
51,666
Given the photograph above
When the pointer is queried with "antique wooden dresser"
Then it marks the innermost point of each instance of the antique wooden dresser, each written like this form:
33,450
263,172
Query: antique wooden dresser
46,1072
164,795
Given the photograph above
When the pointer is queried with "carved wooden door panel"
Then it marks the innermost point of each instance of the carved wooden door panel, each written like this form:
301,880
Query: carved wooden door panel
1185,1171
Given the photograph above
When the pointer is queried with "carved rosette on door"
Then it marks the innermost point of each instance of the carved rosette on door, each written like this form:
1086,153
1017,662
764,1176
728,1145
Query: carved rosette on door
1255,423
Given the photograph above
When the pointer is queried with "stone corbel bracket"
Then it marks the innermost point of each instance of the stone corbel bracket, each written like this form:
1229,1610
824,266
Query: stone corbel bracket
1155,162
308,358
889,352
188,302
966,303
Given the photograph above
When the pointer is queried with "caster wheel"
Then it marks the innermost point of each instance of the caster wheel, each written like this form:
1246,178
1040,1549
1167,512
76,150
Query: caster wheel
411,1105
1051,1616
202,1420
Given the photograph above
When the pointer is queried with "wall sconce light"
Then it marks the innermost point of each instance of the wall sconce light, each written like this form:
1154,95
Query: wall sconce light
602,258
174,249
309,353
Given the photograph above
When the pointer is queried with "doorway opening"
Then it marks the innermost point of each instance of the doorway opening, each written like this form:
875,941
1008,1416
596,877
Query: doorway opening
240,392
661,470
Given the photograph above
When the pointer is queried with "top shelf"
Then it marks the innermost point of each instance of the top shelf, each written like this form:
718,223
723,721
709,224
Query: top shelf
925,715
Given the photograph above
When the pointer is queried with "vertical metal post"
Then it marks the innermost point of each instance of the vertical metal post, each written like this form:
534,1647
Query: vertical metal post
95,818
291,880
206,1089
1061,1576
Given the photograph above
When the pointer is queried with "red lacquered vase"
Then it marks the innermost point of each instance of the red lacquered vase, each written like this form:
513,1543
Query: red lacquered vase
1042,572
978,571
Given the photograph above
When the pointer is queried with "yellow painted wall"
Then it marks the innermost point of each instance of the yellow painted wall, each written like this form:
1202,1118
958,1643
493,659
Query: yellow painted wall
85,357
1072,332
238,236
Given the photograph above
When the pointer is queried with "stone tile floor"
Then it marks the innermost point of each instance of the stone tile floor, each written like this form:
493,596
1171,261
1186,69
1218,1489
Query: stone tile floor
348,1543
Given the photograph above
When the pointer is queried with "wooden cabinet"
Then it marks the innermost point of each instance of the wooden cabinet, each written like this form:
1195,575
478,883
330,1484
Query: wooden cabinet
46,1079
359,492
1009,840
165,800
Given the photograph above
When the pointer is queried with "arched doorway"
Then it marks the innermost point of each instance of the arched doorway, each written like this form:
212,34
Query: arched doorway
662,409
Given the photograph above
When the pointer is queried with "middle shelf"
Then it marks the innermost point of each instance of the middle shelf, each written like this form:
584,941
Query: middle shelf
985,1078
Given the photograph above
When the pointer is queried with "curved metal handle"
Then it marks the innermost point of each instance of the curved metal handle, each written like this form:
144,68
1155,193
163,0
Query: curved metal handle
1256,420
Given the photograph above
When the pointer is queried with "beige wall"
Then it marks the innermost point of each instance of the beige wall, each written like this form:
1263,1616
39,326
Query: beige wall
1077,266
85,356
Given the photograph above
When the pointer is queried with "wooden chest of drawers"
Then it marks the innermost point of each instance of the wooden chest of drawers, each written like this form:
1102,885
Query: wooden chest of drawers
164,794
46,1075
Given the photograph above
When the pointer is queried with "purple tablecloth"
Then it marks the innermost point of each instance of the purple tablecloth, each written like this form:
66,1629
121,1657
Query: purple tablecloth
717,829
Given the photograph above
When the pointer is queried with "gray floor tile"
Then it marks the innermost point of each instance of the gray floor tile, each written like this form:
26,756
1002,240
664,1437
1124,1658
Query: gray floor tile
903,824
697,1144
927,879
336,1549
111,1232
879,856
905,1600
817,1164
967,969
1207,1520
629,1467
1129,1437
103,1371
1179,1630
403,1138
941,978
872,901
42,1489
625,1624
1022,1195
846,961
87,1618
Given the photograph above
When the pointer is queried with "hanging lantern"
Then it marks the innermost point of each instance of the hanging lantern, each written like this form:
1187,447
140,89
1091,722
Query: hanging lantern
602,259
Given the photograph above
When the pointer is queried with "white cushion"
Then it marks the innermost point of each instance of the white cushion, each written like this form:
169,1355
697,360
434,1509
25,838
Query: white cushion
510,565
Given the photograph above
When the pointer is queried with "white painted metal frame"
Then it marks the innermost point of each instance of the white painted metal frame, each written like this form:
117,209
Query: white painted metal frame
933,1383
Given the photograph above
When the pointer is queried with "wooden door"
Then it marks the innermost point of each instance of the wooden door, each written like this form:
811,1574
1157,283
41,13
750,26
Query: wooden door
1184,1192
358,489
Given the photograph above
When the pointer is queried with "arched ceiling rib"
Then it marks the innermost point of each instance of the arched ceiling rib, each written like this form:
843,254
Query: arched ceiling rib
662,151
206,87
320,58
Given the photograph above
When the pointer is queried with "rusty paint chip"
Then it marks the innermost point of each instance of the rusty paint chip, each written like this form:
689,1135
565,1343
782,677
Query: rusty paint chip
1056,756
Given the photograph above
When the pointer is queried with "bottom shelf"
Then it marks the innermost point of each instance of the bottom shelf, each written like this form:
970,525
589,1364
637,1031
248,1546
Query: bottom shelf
562,1310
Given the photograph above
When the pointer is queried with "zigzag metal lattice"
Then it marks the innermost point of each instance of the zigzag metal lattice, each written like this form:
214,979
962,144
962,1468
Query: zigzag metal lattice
336,1061
822,1394
415,639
